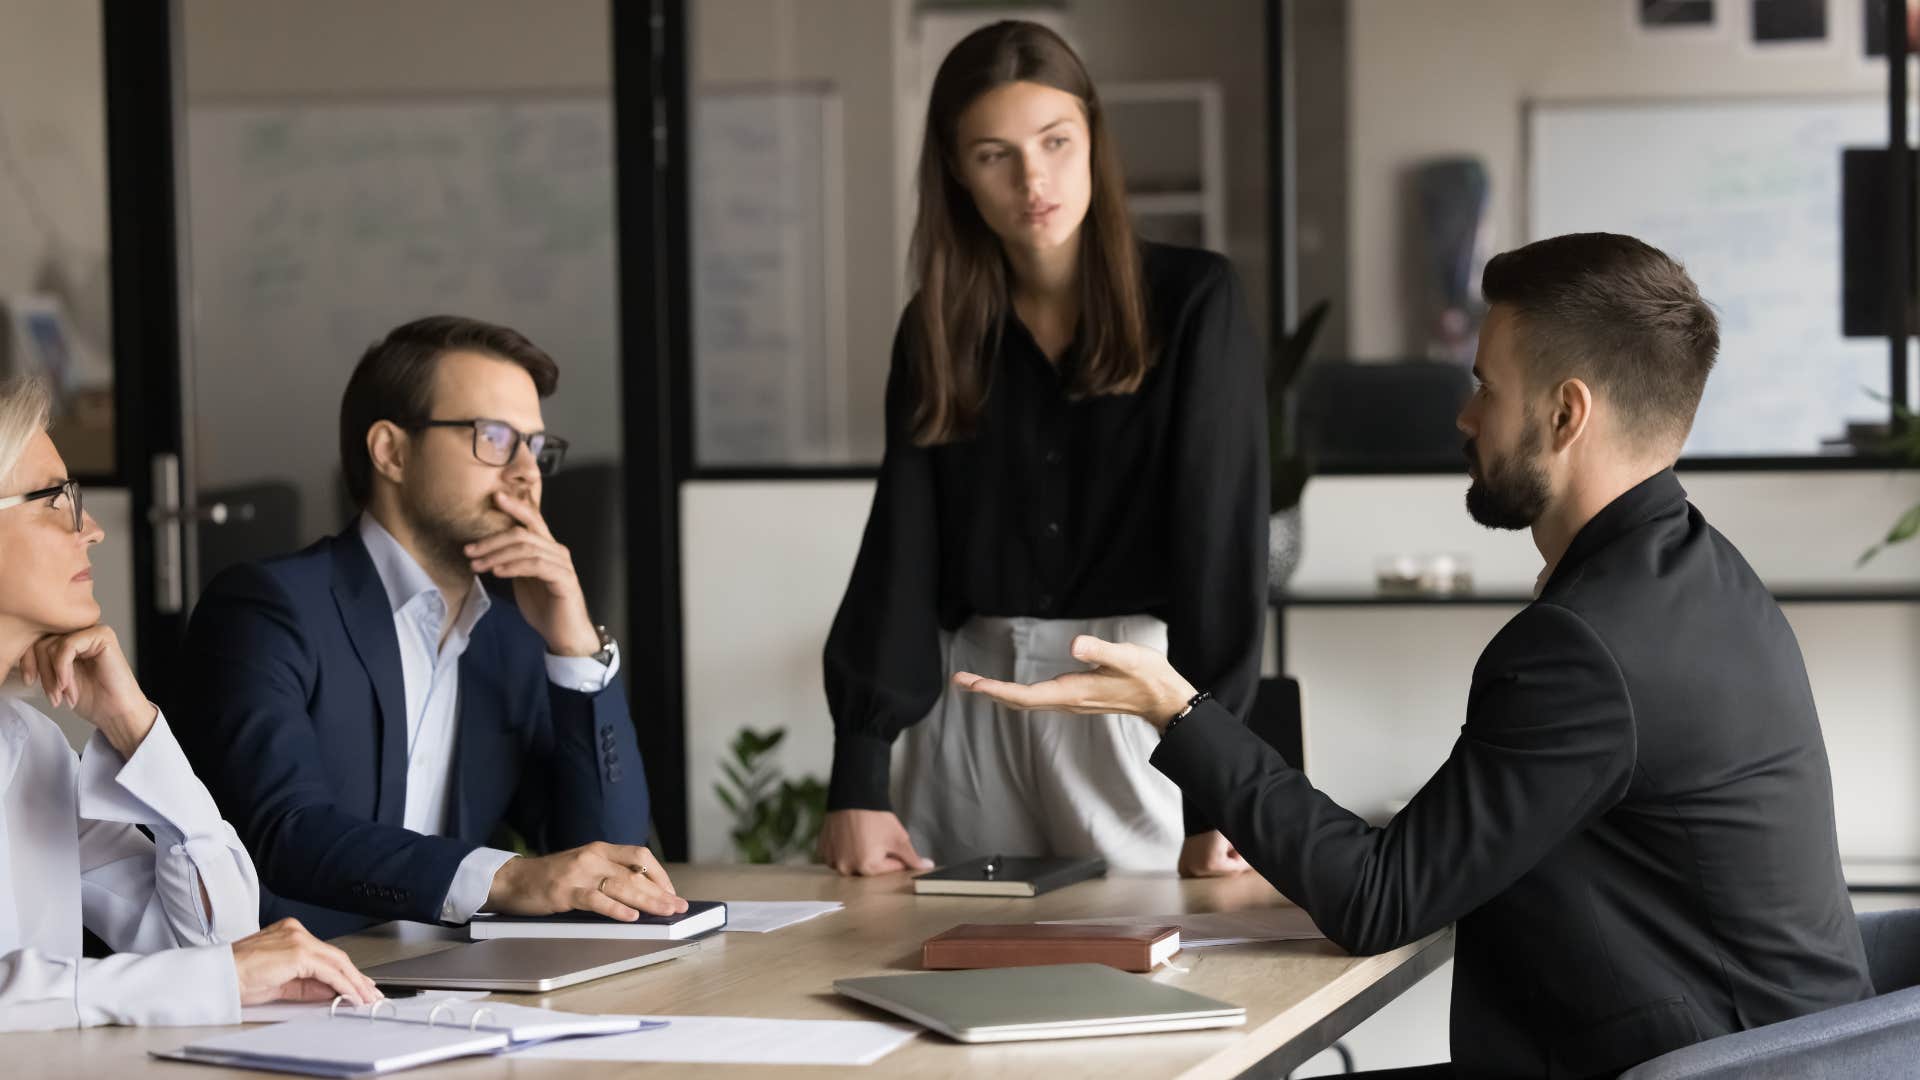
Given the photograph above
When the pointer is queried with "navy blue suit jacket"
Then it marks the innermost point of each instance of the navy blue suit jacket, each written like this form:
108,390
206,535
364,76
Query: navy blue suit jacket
298,725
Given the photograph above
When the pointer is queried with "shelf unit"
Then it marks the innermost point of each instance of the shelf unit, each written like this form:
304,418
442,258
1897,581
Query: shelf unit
1360,598
1172,146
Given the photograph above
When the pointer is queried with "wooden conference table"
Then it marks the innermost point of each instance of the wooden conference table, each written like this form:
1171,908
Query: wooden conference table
1300,996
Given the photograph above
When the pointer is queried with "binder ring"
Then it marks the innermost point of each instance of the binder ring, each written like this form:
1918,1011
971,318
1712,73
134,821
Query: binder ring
474,1023
335,1007
435,1014
373,1013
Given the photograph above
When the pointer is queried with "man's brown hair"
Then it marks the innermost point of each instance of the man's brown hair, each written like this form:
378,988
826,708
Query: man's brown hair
1618,314
394,381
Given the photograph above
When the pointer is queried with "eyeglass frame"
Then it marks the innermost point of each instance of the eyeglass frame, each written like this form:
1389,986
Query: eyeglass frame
520,439
67,487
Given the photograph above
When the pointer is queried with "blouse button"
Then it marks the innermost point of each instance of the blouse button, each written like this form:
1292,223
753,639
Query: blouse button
1052,457
1046,602
1053,530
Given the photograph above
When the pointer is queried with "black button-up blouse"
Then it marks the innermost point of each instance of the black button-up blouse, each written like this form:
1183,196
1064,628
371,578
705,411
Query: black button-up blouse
1153,502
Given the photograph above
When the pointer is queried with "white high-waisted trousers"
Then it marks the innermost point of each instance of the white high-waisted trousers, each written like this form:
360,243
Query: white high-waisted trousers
974,778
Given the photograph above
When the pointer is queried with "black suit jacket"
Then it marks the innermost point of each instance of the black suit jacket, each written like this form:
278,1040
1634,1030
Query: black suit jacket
1634,832
299,728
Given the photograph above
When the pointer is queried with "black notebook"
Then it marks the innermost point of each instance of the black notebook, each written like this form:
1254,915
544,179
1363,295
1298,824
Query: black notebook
998,875
700,917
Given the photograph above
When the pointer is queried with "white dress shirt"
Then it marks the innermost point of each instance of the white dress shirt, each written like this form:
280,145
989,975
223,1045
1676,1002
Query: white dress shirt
430,671
72,858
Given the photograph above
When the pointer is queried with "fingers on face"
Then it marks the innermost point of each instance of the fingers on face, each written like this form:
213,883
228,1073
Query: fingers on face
523,510
487,545
538,568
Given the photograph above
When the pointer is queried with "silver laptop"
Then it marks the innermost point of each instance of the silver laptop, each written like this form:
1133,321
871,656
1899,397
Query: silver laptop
528,965
1062,1001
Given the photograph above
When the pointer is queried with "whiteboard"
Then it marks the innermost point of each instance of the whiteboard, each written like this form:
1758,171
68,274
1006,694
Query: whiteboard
769,370
313,229
1746,194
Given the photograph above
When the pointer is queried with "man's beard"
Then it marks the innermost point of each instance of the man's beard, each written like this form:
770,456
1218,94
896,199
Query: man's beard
445,531
1511,491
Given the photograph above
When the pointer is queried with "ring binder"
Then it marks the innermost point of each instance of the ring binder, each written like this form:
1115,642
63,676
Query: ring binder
398,1035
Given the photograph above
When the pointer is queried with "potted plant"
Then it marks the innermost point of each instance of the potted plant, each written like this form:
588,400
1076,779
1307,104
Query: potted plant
1287,465
1905,440
775,820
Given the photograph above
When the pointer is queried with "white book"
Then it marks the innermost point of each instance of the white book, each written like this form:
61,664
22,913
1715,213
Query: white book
342,1045
700,917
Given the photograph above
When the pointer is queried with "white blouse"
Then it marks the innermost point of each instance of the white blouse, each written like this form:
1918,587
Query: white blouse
72,857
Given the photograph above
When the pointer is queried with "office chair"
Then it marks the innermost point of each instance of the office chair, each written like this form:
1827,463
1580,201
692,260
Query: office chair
260,520
1275,718
585,508
1389,414
1867,1040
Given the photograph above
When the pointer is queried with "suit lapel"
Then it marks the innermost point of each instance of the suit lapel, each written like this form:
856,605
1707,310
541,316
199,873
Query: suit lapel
368,617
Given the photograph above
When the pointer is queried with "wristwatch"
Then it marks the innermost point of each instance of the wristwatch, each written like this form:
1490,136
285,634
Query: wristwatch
605,655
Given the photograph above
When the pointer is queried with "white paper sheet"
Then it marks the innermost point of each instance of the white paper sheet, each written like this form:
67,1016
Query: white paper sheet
296,1010
1208,929
762,916
737,1040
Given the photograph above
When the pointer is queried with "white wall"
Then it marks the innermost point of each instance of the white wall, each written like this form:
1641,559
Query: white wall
763,567
1444,79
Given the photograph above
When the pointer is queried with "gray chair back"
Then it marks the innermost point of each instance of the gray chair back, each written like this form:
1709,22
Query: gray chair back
1875,1039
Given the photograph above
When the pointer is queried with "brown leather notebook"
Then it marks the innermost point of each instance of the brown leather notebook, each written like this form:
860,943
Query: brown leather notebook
975,945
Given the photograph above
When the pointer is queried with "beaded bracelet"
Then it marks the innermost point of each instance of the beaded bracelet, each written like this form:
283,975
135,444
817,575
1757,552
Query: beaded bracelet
1182,714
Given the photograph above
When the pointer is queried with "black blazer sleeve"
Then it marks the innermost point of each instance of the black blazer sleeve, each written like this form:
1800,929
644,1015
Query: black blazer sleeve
1548,746
583,778
882,660
1219,513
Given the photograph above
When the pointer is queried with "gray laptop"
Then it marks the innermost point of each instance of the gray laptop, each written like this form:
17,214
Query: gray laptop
1061,1001
528,965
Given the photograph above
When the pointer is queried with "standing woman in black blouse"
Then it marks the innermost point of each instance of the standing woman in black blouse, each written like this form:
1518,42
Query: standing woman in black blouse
1076,444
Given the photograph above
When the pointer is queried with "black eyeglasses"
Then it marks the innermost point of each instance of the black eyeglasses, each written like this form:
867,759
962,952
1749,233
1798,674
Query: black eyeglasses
495,442
67,489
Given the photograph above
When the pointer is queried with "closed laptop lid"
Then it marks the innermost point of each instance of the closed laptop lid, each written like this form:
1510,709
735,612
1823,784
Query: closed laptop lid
1028,998
526,963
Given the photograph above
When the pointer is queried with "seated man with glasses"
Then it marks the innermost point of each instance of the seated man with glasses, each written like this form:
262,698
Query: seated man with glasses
370,711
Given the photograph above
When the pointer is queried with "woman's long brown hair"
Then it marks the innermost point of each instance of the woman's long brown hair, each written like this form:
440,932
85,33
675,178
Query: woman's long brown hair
962,269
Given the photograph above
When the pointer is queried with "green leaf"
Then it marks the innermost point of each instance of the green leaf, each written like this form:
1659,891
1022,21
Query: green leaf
727,800
1904,529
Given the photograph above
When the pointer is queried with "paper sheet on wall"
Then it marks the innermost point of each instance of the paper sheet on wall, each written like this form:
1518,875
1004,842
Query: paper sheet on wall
738,1040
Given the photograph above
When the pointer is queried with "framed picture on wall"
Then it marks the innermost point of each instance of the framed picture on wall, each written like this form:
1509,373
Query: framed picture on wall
1796,24
1676,14
1681,20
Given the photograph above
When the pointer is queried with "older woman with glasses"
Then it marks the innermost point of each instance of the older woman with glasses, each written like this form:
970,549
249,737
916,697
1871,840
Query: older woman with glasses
182,909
